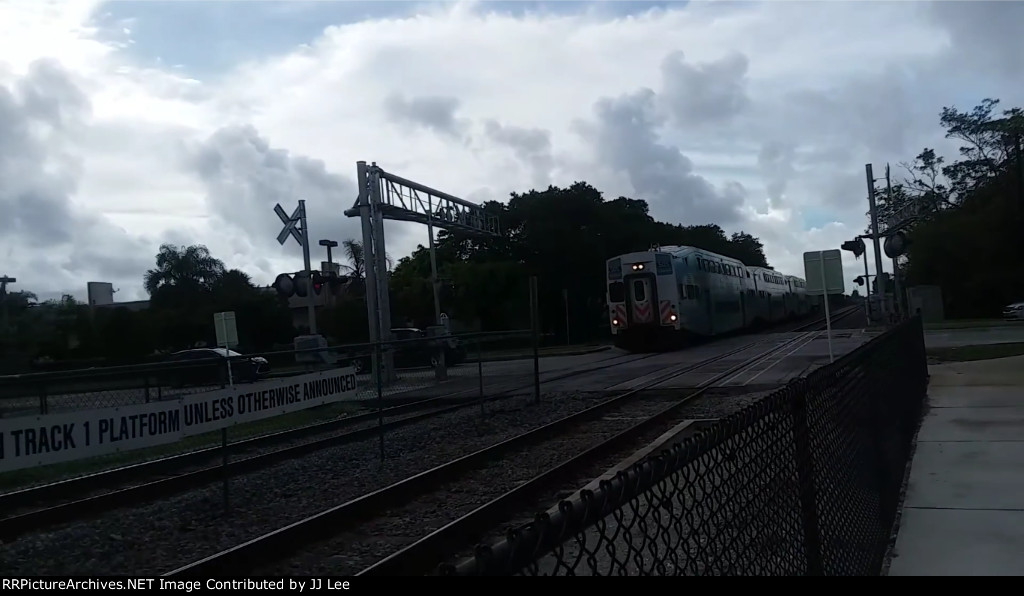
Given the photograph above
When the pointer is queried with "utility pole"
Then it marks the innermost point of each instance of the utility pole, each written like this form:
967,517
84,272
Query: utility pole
879,280
897,306
310,294
3,299
329,244
867,290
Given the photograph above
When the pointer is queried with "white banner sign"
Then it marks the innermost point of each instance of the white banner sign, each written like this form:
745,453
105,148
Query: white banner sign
41,440
204,412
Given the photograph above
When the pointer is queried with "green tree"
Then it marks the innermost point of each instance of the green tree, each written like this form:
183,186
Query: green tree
968,237
190,267
562,235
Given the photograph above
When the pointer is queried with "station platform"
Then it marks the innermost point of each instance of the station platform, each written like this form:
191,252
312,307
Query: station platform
963,512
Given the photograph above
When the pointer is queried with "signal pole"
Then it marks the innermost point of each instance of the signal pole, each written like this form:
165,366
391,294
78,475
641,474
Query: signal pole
897,302
3,299
879,280
329,244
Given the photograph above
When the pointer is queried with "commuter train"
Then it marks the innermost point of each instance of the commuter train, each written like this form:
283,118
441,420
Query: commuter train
662,296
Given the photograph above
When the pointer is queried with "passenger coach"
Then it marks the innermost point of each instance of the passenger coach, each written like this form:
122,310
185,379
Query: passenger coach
659,297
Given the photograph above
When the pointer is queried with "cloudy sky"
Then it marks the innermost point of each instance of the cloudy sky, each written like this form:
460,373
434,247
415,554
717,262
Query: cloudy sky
124,125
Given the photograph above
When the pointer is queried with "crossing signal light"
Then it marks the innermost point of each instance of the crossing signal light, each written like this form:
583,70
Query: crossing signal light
301,281
318,282
285,285
854,246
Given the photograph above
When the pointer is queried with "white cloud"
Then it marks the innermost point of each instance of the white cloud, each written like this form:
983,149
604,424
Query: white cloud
755,116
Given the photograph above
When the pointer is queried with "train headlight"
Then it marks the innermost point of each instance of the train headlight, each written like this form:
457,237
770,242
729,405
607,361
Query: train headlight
615,322
638,266
672,318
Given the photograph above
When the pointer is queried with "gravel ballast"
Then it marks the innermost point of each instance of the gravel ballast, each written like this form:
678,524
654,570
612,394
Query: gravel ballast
157,537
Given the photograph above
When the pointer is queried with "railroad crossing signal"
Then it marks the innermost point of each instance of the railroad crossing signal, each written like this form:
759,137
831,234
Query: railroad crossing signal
295,284
302,237
290,223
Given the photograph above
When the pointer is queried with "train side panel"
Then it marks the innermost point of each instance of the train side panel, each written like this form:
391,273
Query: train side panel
719,305
800,304
773,290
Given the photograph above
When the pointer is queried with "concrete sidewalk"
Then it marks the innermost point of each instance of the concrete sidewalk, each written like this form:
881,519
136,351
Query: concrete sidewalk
964,509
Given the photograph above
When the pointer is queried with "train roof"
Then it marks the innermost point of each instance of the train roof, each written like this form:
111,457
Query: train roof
682,251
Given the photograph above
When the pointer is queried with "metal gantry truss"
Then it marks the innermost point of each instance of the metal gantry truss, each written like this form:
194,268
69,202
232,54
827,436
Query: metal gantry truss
386,196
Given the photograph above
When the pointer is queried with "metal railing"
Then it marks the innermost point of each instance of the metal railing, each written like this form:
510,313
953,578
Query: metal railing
804,482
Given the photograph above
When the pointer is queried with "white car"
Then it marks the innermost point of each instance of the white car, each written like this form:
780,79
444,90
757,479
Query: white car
1014,312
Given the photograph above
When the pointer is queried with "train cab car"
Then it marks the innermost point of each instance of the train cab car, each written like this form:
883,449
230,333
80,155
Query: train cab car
643,300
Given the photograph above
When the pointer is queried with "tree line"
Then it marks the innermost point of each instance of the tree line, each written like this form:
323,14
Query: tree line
561,235
967,239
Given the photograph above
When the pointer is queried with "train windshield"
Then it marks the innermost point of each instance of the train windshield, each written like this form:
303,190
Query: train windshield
639,290
616,292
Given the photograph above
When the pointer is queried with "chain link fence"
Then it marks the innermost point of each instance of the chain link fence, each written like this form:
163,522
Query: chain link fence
470,366
477,366
804,482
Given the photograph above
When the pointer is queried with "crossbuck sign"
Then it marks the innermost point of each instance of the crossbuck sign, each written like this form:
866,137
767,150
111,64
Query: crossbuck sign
290,224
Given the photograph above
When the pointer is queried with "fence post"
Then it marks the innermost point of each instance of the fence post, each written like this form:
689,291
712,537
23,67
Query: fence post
42,398
534,330
805,476
224,448
480,370
378,358
145,386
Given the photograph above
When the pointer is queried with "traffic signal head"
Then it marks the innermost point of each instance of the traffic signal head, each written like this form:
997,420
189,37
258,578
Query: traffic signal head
855,246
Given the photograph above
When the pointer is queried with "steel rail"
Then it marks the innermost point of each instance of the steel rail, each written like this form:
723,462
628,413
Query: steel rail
279,543
428,552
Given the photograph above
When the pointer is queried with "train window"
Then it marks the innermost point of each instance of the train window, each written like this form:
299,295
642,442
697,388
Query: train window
639,292
616,292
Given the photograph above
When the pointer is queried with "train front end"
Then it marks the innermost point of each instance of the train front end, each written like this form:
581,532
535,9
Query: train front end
643,300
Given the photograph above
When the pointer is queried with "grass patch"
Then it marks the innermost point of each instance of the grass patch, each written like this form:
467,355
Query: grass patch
977,352
971,324
54,472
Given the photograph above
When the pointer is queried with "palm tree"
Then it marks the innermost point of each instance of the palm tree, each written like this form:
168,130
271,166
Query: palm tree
187,267
356,266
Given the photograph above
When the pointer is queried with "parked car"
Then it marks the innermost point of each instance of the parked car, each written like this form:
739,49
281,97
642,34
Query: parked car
417,349
210,369
1014,312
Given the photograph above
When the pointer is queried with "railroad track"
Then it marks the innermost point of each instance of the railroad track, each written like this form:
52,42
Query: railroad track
38,507
95,493
427,553
361,516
